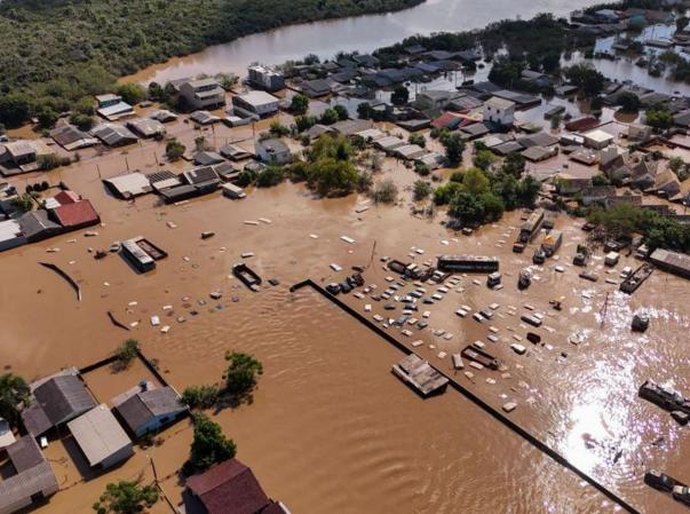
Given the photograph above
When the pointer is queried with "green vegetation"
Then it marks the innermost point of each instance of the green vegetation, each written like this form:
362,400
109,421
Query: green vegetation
629,102
126,353
200,397
400,95
174,150
328,169
23,202
454,146
589,81
299,105
209,446
417,139
659,117
658,231
270,176
277,129
242,373
14,392
474,196
54,52
126,497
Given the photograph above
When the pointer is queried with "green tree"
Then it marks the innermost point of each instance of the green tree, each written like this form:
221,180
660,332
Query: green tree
659,117
209,445
629,102
400,96
341,111
444,194
47,118
14,392
493,206
454,146
200,397
417,139
23,202
364,111
242,373
15,109
475,182
174,150
131,93
586,78
126,353
329,117
514,165
82,121
467,208
125,497
270,176
299,105
304,123
277,129
483,159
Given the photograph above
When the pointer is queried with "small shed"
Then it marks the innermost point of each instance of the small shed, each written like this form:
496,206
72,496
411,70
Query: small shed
148,409
598,139
100,437
129,185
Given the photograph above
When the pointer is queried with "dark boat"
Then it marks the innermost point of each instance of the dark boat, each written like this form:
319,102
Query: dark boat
207,235
635,279
100,254
247,276
525,279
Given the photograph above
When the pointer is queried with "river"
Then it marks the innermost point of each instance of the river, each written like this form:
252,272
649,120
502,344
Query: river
362,33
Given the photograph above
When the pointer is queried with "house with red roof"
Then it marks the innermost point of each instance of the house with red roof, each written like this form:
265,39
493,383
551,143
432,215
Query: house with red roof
229,488
76,215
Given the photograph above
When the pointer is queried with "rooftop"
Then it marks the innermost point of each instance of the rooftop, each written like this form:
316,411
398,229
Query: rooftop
99,435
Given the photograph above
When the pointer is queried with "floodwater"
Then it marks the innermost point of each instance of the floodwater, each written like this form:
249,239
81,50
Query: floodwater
330,429
363,34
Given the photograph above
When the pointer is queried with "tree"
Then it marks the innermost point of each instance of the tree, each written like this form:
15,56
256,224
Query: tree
23,202
467,208
475,182
400,95
329,116
454,146
126,353
600,180
681,23
82,121
364,111
270,176
528,190
126,497
514,165
483,159
201,397
131,93
304,122
556,121
493,206
417,139
174,150
14,392
586,78
47,117
385,192
341,111
659,117
277,129
421,190
629,102
444,194
209,446
299,105
242,373
15,109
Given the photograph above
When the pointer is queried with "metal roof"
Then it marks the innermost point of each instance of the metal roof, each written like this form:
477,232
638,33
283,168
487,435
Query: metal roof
98,434
140,408
132,184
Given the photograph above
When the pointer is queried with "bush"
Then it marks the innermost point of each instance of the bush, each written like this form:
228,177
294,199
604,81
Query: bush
14,393
23,202
422,169
278,129
299,105
125,497
174,150
270,176
417,139
242,373
422,190
201,397
126,353
48,162
385,192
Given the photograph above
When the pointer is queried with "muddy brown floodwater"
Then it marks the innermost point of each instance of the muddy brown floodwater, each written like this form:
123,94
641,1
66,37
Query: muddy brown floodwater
330,428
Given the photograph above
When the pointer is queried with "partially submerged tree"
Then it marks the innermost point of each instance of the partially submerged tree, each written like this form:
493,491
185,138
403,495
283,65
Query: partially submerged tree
125,497
174,150
126,353
209,446
242,373
14,392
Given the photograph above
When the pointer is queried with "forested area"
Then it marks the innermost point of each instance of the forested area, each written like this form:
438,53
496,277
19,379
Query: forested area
56,52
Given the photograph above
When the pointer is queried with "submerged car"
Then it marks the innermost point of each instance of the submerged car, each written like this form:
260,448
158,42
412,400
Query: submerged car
659,480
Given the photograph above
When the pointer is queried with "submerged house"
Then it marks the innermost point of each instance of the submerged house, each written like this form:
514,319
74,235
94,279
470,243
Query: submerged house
148,409
229,487
202,93
75,216
100,438
55,401
31,478
273,150
112,107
